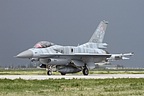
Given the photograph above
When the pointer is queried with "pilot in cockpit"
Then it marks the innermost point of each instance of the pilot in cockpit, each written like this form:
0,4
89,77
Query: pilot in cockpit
43,44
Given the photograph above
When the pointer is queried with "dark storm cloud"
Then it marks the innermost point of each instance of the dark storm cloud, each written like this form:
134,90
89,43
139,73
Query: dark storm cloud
25,22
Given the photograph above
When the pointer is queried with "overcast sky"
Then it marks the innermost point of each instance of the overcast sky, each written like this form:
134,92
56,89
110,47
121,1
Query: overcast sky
71,22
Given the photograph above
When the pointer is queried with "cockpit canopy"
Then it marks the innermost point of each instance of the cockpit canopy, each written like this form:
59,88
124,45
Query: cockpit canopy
43,44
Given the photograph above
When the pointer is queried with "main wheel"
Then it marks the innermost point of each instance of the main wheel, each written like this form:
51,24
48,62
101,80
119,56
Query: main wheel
63,73
49,72
85,71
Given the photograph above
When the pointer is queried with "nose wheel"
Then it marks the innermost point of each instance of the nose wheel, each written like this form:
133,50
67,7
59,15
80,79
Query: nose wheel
49,72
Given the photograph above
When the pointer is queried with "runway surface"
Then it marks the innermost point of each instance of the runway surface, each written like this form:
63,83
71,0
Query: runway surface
96,76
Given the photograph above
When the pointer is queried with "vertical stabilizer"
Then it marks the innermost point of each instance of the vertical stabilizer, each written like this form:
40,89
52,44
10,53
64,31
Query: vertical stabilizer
99,33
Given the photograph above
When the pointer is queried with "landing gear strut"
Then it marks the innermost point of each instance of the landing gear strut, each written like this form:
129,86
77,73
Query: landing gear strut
85,70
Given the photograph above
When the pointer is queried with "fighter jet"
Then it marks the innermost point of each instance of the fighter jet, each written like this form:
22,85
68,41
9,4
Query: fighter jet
73,59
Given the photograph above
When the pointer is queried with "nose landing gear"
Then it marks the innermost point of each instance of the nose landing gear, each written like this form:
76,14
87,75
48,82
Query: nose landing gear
49,72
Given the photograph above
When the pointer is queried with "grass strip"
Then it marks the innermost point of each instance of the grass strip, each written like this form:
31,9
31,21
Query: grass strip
73,87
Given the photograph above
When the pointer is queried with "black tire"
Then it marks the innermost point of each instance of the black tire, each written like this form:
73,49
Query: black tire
49,72
63,73
85,71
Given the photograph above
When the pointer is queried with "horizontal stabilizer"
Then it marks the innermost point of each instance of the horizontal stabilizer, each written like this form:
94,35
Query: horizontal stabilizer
115,57
125,58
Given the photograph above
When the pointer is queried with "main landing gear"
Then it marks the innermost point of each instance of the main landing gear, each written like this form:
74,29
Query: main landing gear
85,70
63,73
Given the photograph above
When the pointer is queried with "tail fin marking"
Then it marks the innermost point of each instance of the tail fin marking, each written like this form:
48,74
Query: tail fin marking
99,33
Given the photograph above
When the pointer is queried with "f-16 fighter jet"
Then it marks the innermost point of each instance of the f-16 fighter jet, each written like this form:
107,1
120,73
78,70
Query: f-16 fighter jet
73,59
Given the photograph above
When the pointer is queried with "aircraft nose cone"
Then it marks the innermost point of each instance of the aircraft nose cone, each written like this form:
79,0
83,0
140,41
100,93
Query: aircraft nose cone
25,54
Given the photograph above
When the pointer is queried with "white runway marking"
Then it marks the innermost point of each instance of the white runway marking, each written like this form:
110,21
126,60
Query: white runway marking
96,76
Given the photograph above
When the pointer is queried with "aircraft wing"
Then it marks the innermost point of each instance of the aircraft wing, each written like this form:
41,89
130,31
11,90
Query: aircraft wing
85,57
79,59
45,55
